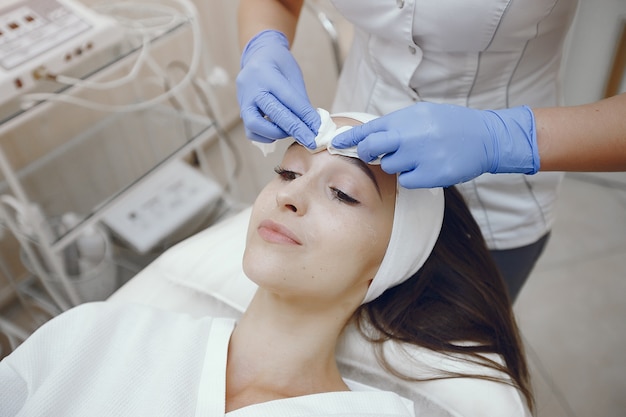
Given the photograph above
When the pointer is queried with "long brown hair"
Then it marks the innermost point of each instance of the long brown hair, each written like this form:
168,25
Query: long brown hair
457,296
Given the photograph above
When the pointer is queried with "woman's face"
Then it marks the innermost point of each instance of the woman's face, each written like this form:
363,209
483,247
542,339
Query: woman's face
320,228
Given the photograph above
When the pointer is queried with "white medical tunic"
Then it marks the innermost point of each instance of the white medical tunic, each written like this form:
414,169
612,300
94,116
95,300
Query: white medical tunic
113,359
484,54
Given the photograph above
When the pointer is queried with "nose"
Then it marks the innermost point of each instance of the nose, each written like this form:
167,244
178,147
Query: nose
293,196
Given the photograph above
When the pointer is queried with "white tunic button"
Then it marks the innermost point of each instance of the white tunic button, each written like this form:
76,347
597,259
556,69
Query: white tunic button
412,49
400,3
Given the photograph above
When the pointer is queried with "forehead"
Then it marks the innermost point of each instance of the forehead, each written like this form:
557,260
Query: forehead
345,121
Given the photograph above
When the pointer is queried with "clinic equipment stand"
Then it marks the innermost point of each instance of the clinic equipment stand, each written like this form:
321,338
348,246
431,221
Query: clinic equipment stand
42,251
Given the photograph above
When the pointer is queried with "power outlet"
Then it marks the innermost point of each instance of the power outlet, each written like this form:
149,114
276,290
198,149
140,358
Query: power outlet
159,206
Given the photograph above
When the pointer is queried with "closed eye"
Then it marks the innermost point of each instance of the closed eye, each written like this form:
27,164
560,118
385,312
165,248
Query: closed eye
343,197
285,174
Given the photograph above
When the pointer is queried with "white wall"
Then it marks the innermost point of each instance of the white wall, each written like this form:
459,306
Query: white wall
591,46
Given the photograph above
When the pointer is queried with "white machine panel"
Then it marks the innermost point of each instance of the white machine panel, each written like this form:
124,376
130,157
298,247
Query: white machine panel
41,36
158,207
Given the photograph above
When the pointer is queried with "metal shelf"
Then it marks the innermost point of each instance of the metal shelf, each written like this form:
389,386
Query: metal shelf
91,161
96,169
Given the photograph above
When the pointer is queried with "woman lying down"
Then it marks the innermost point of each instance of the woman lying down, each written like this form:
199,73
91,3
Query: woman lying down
331,241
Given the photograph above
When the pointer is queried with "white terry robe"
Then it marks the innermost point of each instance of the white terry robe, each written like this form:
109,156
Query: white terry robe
114,359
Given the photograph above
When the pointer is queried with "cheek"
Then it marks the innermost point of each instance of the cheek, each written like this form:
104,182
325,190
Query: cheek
255,260
374,247
357,250
373,241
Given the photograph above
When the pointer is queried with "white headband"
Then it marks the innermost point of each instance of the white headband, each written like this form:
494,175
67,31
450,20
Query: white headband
417,217
416,225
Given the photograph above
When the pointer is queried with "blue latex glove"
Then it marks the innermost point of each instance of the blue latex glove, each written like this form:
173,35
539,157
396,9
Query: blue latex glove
270,84
438,145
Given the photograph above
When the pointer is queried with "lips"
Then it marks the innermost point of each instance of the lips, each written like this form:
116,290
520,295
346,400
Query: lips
273,232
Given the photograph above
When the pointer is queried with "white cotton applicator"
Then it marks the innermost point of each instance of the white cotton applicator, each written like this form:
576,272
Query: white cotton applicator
327,132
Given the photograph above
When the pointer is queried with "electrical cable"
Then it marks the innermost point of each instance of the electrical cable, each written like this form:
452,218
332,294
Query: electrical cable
107,85
162,19
25,230
208,110
137,25
27,306
26,217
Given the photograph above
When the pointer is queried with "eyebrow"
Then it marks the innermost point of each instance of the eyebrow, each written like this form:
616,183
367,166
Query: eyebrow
360,164
365,168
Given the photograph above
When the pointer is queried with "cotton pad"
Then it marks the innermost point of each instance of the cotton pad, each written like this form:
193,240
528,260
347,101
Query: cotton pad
328,130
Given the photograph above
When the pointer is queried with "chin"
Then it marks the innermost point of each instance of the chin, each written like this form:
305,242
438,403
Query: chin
260,266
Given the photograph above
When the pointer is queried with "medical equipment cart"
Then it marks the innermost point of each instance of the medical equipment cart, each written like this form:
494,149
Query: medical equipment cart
145,139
